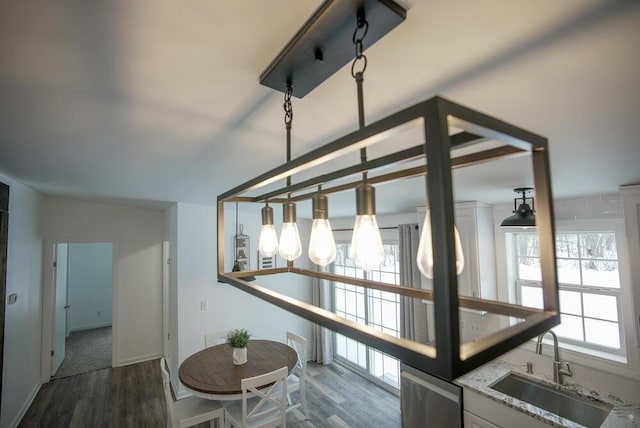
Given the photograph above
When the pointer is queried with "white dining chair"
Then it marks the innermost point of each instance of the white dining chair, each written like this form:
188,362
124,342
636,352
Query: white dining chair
189,411
216,338
297,379
266,408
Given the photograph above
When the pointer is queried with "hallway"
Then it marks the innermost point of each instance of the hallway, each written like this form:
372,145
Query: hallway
86,351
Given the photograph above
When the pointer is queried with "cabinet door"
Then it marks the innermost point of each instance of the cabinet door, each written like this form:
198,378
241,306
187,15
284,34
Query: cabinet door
473,421
474,221
468,279
490,413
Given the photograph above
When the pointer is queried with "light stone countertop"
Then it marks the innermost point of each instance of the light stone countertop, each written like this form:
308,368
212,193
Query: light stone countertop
623,414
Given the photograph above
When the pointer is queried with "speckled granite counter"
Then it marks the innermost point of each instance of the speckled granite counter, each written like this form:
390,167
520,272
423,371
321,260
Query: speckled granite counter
622,415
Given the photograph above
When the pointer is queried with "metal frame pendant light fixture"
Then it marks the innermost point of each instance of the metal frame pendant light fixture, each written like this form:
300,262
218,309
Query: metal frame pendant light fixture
366,250
268,243
425,249
524,215
322,245
289,247
444,128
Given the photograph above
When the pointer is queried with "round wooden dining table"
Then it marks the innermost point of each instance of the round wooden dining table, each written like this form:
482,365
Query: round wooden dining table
211,373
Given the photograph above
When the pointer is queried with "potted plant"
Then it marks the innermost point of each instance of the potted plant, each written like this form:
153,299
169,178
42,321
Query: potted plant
238,339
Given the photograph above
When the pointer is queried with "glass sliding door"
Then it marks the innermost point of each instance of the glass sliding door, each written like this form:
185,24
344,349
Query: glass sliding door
377,309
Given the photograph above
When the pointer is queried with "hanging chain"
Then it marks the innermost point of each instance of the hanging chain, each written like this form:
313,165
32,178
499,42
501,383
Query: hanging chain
358,67
288,109
358,36
288,118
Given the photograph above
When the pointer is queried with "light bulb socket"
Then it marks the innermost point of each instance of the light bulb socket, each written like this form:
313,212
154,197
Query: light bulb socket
289,212
267,215
320,206
524,209
365,199
524,215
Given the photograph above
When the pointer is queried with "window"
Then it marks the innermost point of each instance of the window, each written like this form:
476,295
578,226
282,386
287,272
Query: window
589,282
377,309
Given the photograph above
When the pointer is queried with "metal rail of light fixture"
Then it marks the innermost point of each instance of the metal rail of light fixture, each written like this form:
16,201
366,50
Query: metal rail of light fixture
448,358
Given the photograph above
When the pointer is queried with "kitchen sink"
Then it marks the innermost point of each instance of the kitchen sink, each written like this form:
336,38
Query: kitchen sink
562,403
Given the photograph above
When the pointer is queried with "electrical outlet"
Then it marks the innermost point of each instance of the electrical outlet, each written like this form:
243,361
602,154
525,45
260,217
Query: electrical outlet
204,305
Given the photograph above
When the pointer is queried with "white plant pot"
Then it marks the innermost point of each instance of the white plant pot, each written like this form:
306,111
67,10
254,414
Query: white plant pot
239,356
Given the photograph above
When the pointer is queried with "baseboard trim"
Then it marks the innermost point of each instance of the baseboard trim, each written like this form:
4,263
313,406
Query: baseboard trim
16,421
135,360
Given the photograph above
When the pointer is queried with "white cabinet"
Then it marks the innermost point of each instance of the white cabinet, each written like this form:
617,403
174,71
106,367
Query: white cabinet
474,421
474,221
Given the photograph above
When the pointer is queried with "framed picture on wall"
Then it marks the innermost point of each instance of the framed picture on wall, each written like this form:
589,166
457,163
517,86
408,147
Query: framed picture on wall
242,248
266,262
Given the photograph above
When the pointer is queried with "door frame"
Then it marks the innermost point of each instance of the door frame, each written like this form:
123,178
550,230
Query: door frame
56,274
4,262
48,299
166,280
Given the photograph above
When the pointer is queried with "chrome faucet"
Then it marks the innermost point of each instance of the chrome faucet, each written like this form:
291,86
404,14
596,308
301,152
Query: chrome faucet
558,371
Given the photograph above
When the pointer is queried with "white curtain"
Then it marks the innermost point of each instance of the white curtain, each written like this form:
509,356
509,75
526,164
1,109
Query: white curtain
413,312
321,343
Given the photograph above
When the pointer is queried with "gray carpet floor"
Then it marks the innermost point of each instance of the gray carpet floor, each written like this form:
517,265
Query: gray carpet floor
86,351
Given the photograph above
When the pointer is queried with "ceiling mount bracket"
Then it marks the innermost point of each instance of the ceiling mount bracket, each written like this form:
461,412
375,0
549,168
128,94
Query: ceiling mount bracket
328,32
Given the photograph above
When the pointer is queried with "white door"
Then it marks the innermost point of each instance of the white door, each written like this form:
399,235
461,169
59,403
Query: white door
60,312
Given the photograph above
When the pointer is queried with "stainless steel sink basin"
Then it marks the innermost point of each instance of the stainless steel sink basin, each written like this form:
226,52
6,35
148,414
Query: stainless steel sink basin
562,403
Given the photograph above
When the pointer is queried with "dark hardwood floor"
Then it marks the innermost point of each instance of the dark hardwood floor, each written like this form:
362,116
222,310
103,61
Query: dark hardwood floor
132,396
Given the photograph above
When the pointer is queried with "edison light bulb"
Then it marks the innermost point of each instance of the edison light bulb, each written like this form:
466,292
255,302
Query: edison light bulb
268,243
425,249
290,247
366,249
322,246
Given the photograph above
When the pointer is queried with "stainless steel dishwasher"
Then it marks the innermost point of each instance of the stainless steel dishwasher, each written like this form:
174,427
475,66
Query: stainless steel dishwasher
427,401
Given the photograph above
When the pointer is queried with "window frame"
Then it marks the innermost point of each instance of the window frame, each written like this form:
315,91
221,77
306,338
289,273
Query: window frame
583,344
625,365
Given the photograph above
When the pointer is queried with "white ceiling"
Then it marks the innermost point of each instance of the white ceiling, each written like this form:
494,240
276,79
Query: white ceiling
153,100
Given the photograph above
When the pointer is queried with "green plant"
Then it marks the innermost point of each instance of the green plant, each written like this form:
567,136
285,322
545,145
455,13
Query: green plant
238,338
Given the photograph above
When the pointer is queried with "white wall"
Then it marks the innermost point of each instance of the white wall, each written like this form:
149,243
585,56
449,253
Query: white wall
196,281
89,285
137,235
22,340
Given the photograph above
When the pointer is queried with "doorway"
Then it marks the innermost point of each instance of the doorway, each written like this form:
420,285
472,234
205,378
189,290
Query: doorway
82,313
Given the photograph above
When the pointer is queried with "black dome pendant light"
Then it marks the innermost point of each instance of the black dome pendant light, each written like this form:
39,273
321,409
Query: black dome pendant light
523,216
